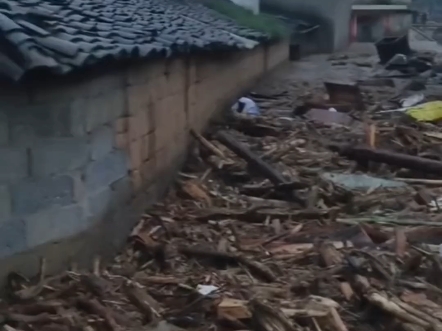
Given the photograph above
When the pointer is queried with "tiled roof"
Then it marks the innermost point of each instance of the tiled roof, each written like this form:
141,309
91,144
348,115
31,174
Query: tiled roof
62,35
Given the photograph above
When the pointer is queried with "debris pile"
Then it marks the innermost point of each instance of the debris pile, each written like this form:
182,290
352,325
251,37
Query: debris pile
305,220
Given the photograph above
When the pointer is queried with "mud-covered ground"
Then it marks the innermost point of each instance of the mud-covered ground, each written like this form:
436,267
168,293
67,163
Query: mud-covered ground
274,224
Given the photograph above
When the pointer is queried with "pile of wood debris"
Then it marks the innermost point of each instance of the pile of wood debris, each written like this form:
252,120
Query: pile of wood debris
275,224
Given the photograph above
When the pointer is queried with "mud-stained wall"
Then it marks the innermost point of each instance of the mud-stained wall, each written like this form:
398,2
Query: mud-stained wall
83,156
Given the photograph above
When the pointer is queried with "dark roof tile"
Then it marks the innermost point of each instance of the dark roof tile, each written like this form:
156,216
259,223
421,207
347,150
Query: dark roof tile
18,37
64,35
32,28
59,46
8,25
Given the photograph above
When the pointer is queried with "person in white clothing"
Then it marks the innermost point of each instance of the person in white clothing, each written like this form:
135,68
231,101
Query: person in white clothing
246,106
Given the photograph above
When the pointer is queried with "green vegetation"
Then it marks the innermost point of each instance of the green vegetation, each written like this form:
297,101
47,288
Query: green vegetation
264,23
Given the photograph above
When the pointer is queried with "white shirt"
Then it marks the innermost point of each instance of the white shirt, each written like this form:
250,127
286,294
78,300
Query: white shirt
250,107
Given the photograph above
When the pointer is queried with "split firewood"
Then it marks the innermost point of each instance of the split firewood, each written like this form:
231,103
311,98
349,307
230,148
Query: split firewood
260,214
268,318
284,234
32,319
421,181
233,308
401,242
94,284
396,307
143,278
371,135
195,191
35,308
364,154
95,307
254,161
96,266
260,190
207,144
336,320
32,292
269,203
9,328
143,301
332,257
257,268
231,323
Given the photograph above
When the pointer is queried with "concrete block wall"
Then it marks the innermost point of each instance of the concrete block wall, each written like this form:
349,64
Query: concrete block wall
83,156
333,16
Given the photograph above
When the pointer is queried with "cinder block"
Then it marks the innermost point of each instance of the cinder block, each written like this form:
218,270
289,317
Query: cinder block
122,141
148,171
102,142
77,116
95,114
138,125
105,82
147,146
169,112
135,153
57,155
13,165
121,124
69,89
162,160
193,62
176,76
106,170
39,121
151,124
122,189
32,195
138,98
54,223
5,204
145,73
159,88
100,203
136,180
12,237
104,108
63,90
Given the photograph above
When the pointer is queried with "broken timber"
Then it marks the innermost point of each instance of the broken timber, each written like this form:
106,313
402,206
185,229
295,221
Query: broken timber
254,161
364,154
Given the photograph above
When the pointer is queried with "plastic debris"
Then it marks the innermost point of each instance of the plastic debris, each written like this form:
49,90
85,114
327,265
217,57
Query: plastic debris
246,106
206,289
427,112
398,59
328,116
412,100
360,181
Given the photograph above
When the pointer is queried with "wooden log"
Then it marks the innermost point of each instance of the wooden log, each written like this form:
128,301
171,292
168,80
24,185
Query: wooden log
255,162
207,144
251,158
256,268
364,154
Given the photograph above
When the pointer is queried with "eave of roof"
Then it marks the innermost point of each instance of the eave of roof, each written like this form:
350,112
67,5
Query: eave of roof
61,36
371,7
